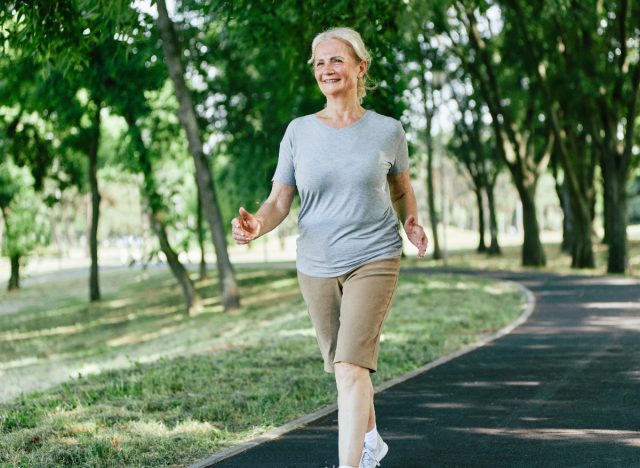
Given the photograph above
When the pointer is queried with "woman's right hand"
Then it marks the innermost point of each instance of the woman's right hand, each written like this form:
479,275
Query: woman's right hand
245,227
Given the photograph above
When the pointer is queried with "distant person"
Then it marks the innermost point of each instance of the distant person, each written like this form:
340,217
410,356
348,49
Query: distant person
350,167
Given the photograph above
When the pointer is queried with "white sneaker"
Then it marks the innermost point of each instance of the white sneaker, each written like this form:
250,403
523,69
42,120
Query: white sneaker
371,457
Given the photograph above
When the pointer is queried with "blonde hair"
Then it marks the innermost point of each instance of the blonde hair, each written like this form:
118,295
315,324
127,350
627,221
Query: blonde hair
352,39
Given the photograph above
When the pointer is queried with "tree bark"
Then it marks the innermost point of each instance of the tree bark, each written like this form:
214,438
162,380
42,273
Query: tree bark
94,284
582,247
192,300
578,182
427,92
230,297
482,245
615,200
494,247
14,280
200,228
532,251
433,214
605,208
567,217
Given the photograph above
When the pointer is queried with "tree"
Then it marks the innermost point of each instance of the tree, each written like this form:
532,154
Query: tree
157,216
230,297
134,77
612,52
474,148
430,80
585,56
61,36
24,217
524,143
552,58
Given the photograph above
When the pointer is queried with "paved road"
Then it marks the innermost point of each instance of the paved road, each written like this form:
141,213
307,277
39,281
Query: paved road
562,390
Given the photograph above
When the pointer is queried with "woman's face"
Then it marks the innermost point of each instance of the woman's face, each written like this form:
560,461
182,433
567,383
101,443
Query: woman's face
336,69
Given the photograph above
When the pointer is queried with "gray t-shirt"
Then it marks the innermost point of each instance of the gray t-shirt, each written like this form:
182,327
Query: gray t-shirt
346,216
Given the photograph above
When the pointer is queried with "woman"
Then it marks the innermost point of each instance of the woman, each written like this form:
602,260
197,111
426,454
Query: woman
350,167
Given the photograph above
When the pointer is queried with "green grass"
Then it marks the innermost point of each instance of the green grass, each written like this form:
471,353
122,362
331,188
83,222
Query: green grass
557,261
224,377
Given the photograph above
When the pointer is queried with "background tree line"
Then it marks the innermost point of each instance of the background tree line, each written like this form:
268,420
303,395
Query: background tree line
207,89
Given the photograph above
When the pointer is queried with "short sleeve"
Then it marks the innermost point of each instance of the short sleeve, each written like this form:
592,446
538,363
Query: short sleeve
401,162
285,172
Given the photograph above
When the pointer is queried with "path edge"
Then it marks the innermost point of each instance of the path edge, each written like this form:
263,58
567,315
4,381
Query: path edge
528,309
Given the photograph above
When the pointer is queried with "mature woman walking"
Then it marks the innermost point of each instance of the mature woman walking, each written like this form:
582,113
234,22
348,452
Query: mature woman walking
350,167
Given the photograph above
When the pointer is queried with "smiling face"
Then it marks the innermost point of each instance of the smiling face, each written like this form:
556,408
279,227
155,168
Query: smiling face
336,69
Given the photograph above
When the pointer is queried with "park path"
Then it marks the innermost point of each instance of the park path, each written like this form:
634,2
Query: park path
561,390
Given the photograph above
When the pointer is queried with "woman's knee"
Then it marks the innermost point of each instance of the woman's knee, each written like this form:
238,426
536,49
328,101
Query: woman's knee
348,374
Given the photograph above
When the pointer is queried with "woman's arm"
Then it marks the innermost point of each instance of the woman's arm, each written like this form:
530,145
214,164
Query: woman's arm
404,202
274,210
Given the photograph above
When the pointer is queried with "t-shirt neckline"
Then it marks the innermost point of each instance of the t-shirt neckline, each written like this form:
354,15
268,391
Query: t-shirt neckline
334,129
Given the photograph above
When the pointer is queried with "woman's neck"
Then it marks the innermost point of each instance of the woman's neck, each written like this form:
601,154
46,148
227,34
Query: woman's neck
341,111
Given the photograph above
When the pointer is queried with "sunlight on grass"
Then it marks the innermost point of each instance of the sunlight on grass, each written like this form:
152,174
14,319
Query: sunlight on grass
134,339
298,332
159,429
119,303
23,362
41,333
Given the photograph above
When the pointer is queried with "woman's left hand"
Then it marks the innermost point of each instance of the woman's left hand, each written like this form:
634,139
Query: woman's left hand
415,233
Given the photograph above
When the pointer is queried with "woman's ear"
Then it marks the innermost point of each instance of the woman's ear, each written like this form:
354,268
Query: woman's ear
362,68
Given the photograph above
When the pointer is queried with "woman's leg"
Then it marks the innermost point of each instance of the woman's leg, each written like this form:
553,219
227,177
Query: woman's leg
372,411
355,395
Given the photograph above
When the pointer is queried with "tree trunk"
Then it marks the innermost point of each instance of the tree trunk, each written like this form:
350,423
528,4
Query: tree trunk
200,227
605,214
14,280
494,248
567,217
582,248
532,251
192,299
186,114
615,200
482,246
579,166
94,284
433,214
431,201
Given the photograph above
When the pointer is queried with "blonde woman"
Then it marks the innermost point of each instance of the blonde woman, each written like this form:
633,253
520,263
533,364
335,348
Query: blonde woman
350,168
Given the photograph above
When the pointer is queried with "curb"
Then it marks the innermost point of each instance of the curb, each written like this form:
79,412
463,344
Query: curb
309,418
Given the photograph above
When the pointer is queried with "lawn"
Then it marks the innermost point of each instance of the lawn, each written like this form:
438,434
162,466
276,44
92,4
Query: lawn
557,261
161,389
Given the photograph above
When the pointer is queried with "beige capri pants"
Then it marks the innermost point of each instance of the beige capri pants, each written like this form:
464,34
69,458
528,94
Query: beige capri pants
348,311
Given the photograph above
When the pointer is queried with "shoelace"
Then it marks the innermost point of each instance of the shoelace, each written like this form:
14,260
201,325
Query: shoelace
368,459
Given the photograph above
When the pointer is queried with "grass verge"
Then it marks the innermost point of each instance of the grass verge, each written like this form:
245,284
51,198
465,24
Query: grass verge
557,260
224,377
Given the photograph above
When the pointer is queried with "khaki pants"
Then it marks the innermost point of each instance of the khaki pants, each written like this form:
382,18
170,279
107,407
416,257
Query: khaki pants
348,311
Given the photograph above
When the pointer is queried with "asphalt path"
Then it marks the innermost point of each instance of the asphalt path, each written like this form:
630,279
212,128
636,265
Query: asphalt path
561,390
